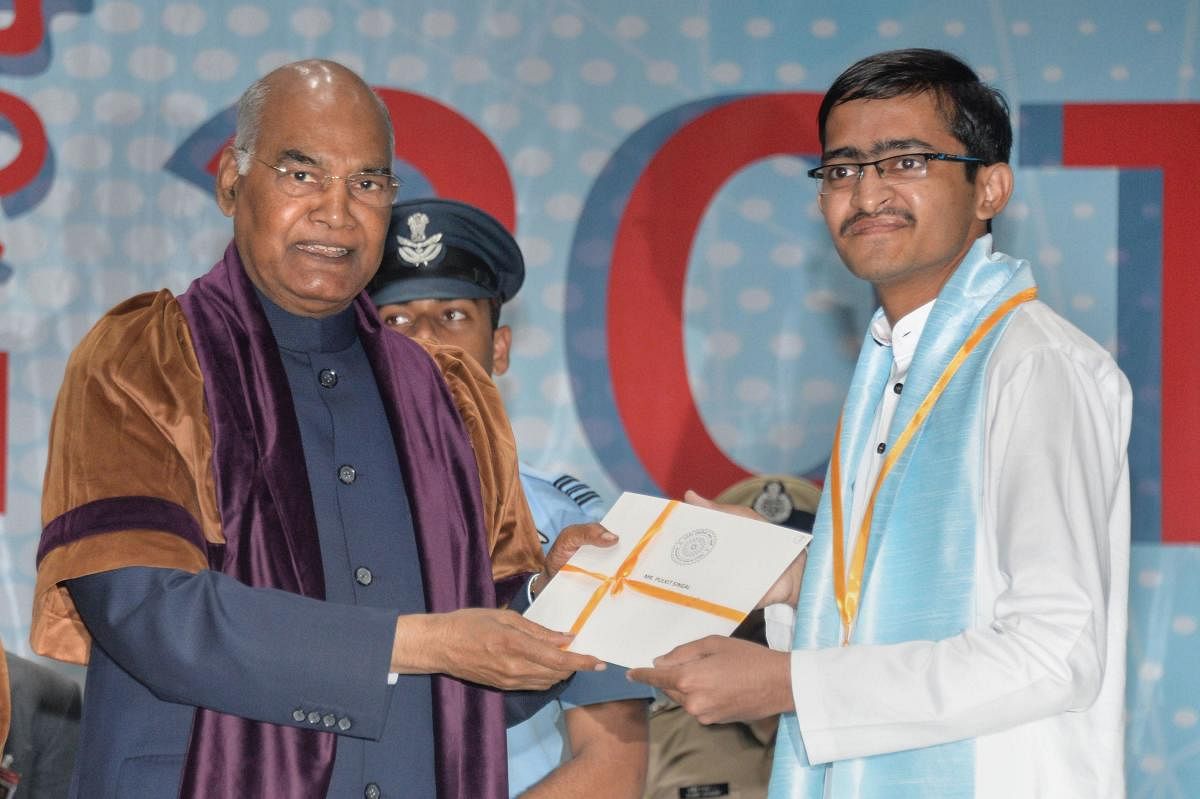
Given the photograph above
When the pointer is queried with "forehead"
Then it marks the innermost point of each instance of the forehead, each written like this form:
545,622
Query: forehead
870,126
437,302
332,125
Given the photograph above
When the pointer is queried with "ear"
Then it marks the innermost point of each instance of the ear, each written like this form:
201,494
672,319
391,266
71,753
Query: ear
501,342
993,188
227,181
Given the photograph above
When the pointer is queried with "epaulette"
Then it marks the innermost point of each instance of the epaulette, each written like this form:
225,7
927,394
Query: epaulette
579,492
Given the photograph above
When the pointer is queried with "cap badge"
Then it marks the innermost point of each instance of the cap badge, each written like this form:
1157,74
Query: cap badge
420,249
774,504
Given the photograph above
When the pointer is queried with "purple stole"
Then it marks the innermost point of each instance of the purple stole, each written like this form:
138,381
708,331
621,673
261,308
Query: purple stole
271,535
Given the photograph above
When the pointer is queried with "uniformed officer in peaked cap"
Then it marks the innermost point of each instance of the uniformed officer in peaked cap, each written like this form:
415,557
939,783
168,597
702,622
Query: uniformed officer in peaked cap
442,249
447,268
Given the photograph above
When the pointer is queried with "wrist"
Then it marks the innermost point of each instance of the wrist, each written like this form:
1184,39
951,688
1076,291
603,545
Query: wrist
785,700
414,646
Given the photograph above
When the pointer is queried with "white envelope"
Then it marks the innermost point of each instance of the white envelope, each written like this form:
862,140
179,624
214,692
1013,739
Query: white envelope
725,561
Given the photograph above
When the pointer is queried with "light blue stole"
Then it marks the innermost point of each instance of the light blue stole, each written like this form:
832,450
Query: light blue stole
918,582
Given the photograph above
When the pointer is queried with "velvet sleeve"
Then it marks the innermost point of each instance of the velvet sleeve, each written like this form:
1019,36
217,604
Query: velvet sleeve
512,536
128,475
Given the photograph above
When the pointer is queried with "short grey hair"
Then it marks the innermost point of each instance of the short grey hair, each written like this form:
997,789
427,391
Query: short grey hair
249,123
249,118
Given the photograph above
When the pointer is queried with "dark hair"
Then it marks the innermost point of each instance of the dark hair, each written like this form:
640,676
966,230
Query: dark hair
976,114
494,307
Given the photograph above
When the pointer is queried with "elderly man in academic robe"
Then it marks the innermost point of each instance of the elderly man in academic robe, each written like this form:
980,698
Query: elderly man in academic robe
279,531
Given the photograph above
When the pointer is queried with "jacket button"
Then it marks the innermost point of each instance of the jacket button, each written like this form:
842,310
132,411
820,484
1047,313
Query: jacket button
343,723
314,717
298,714
347,474
327,378
328,720
372,791
363,576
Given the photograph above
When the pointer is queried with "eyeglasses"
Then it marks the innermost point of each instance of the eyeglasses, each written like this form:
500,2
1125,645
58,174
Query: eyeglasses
376,189
835,178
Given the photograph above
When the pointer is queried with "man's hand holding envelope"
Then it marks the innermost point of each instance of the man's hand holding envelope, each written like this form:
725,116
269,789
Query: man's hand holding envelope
669,591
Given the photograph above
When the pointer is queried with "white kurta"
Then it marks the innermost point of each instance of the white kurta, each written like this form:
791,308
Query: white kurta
1038,680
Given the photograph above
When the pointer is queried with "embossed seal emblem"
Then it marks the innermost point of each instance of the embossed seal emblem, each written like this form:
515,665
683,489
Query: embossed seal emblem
693,546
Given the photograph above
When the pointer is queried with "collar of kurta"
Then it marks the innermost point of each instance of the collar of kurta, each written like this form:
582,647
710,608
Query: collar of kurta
271,533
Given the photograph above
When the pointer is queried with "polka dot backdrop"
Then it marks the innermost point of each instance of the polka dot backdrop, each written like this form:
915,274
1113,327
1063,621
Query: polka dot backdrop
771,320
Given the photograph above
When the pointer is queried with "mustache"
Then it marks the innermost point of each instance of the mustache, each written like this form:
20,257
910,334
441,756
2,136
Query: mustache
861,215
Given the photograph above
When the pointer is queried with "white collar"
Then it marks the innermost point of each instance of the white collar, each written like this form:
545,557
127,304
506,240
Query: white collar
904,335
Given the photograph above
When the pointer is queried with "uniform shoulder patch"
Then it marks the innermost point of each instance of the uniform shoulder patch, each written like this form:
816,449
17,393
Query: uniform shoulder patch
578,491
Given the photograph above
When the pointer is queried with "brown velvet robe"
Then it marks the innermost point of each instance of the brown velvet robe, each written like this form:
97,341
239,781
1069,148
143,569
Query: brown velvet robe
156,442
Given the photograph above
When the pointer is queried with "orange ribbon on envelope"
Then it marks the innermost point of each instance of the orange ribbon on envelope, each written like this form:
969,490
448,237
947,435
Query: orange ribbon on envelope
617,582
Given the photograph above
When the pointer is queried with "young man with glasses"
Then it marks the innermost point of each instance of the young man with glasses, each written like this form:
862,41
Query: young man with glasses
266,523
960,626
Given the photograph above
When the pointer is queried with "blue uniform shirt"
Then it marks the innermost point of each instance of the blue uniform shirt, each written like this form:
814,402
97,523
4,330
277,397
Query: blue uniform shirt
539,745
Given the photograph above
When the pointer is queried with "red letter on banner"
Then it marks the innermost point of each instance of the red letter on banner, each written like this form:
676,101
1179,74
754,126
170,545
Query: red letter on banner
452,153
24,34
1153,136
25,167
649,270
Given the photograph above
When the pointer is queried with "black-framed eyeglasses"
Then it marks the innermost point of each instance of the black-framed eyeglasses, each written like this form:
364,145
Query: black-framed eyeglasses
376,189
839,177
